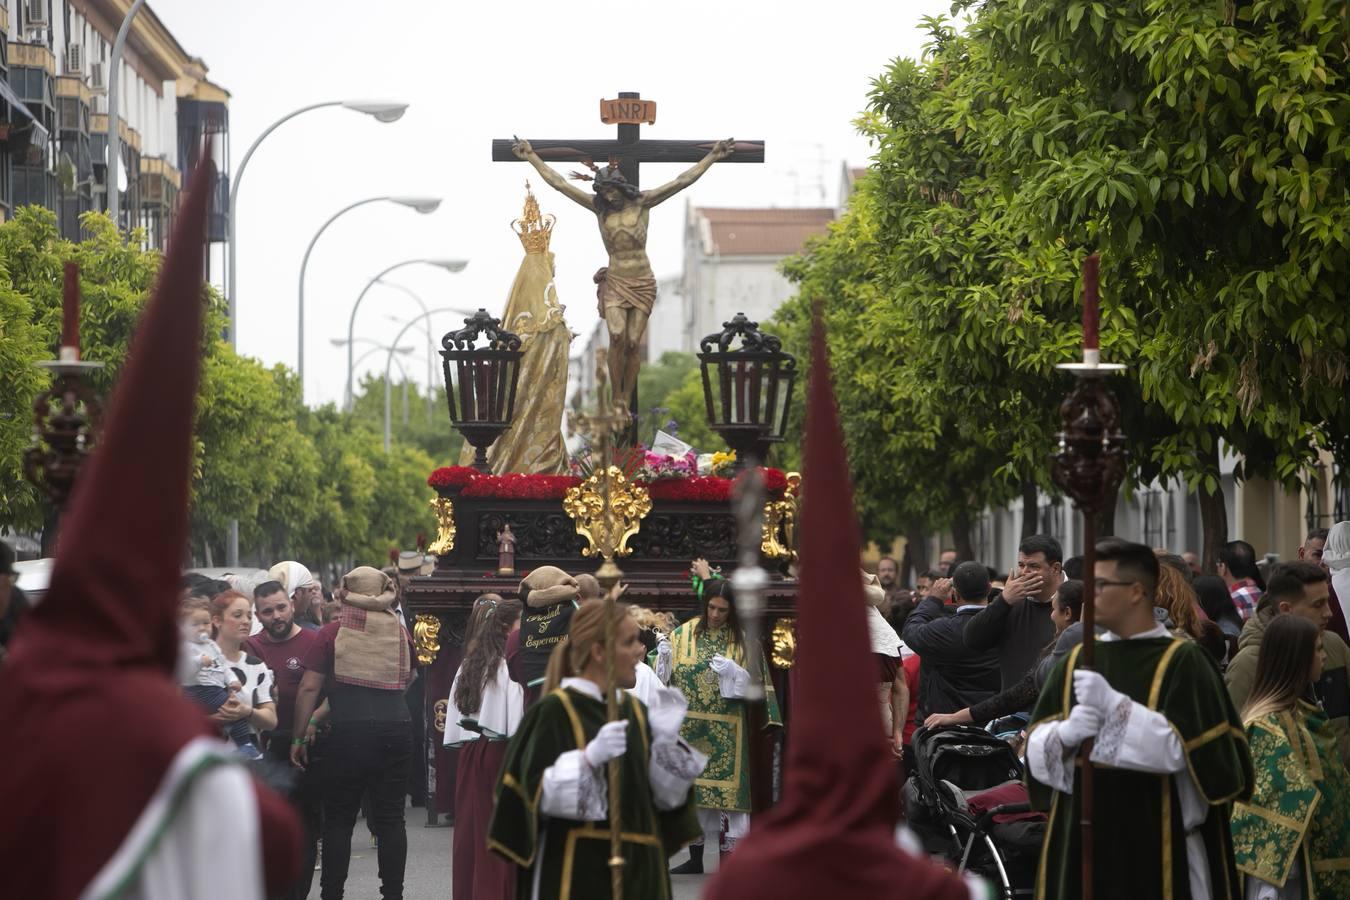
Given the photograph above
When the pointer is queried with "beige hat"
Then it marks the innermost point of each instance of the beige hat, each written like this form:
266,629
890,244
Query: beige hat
409,562
546,586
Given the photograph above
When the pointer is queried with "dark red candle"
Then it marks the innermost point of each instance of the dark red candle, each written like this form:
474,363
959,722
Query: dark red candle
70,308
1091,303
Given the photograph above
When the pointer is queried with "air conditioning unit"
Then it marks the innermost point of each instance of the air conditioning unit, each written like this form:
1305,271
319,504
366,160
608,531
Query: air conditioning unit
96,77
35,12
75,60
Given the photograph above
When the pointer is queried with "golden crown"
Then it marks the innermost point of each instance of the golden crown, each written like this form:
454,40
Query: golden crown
533,229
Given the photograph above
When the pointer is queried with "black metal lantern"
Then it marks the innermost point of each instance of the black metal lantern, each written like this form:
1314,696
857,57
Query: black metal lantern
748,391
480,382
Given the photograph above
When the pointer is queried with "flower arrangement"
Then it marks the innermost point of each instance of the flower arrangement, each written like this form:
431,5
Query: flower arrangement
661,466
668,487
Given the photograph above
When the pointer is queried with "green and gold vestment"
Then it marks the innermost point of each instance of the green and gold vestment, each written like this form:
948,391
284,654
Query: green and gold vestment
1140,836
573,855
1300,809
715,726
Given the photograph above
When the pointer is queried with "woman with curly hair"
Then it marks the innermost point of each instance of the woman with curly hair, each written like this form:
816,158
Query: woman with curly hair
483,711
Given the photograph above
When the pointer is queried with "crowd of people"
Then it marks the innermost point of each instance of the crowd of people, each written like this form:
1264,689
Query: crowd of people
1232,688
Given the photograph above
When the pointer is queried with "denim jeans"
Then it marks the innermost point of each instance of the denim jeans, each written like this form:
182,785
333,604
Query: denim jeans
358,757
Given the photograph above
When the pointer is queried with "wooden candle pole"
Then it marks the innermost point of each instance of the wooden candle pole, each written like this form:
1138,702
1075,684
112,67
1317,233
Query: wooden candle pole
1088,467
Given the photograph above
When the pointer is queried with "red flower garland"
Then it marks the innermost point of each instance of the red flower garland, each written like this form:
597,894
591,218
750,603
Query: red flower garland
517,486
451,477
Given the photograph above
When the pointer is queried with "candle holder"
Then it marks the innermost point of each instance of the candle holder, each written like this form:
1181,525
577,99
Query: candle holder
66,420
480,382
1089,465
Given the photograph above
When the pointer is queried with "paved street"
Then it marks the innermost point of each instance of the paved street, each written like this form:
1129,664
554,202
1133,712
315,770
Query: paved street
428,874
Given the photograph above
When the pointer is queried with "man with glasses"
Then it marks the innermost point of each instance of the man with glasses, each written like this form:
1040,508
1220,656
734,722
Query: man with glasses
1169,754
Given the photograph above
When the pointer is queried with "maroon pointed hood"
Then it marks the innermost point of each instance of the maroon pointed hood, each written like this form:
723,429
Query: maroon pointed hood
833,832
101,722
114,589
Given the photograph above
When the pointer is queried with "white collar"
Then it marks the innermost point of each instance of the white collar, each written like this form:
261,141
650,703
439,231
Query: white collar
1157,631
965,606
587,687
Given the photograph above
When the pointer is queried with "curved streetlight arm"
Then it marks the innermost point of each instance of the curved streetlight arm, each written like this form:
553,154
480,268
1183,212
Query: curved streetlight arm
114,98
431,342
351,321
231,215
304,264
426,315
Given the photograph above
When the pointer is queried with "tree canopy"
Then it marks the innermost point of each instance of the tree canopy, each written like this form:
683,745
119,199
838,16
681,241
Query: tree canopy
314,485
1199,148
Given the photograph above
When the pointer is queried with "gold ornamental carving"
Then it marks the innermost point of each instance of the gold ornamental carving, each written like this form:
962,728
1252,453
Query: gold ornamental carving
780,522
445,526
441,709
784,642
607,530
426,638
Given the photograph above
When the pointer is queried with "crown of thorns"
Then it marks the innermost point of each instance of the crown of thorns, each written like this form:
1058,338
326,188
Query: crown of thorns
608,177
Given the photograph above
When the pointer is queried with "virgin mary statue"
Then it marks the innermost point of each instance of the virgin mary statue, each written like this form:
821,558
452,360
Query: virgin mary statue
534,443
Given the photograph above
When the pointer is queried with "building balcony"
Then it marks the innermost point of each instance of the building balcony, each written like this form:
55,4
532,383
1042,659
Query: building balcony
32,56
98,124
160,182
73,86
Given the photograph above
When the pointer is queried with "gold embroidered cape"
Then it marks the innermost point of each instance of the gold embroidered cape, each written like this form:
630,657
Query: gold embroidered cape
715,726
1300,808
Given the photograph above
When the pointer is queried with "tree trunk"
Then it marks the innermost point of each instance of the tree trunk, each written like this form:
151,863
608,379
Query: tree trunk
916,554
206,553
1030,508
1213,513
1106,519
961,534
1214,526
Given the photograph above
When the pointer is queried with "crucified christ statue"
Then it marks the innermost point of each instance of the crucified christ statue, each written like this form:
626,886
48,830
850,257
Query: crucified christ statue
626,287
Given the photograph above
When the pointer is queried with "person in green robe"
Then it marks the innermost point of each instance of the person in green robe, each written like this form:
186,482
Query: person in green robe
1292,838
1169,758
552,803
706,660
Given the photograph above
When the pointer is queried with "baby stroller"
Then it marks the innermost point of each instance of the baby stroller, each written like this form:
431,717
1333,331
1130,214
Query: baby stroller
966,803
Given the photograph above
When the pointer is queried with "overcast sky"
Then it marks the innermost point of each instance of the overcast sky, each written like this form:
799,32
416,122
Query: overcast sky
794,74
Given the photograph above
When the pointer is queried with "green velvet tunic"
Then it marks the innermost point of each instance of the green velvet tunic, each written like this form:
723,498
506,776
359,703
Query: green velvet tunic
573,856
1300,809
1139,836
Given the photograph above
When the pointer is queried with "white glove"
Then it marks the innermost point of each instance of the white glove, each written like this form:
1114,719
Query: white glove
1092,689
665,714
1084,722
663,659
609,743
732,678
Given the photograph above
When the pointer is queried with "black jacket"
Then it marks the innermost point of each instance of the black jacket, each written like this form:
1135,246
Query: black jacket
951,676
1016,633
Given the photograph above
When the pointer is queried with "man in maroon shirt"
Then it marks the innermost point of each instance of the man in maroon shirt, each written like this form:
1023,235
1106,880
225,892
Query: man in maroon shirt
282,644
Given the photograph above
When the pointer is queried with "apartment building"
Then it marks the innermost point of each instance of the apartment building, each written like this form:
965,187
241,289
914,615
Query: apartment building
54,78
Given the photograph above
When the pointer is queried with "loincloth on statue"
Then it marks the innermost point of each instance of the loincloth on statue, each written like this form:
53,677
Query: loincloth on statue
620,292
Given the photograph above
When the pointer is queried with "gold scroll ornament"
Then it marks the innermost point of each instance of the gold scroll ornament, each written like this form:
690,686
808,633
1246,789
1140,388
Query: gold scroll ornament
441,709
445,526
426,638
784,643
607,534
780,522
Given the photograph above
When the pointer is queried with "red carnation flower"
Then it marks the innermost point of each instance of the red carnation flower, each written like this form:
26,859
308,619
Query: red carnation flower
452,477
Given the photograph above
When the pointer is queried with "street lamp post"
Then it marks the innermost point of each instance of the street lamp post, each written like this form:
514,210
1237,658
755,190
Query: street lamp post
425,316
381,111
114,100
431,339
449,265
391,349
423,205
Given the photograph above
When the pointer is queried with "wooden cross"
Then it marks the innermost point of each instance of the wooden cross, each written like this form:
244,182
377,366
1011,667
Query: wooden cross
630,150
